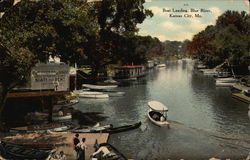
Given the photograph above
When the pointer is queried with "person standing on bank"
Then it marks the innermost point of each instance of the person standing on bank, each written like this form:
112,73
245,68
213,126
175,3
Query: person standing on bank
81,149
76,141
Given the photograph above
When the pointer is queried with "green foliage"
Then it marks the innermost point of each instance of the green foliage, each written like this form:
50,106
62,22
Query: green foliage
228,40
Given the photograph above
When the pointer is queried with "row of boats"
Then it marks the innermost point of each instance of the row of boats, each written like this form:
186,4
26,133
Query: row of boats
98,91
157,113
12,151
228,79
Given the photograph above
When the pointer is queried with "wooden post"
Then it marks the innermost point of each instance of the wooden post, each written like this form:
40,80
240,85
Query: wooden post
50,107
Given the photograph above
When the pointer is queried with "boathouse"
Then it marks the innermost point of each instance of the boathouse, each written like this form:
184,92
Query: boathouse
129,71
46,82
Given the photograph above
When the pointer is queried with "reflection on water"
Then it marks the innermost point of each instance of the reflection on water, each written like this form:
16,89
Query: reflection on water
207,122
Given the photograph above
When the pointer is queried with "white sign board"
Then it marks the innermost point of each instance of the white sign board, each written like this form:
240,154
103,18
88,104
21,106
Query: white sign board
50,76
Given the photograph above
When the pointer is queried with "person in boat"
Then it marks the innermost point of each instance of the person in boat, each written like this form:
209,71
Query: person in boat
162,119
81,149
104,151
156,117
76,141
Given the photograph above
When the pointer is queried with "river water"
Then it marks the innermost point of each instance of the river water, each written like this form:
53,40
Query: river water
205,120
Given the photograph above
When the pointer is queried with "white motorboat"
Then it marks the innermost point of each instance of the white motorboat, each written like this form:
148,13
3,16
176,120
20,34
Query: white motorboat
157,113
100,87
161,65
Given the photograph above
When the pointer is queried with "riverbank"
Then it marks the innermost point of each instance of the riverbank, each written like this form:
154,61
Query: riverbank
59,141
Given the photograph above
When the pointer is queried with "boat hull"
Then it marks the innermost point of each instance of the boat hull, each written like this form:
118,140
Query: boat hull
100,87
158,123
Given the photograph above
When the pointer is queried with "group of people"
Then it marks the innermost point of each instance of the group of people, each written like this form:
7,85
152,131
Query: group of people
54,156
158,118
80,148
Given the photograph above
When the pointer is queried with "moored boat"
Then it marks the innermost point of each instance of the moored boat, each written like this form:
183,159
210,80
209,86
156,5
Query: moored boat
17,152
93,94
100,87
227,80
157,112
95,129
224,84
161,65
122,128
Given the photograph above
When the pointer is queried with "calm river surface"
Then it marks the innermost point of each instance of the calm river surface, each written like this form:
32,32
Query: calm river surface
205,121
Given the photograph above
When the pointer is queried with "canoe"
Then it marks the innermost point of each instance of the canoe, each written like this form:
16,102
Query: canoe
97,96
114,153
122,128
155,115
110,129
91,86
94,129
14,151
39,129
113,93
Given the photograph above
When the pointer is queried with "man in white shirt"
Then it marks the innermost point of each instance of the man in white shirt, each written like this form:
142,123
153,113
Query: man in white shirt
104,150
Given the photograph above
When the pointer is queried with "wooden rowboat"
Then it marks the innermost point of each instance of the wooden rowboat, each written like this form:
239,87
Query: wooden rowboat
18,152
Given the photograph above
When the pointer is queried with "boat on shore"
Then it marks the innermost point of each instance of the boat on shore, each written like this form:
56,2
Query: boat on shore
18,152
156,113
40,128
99,87
114,153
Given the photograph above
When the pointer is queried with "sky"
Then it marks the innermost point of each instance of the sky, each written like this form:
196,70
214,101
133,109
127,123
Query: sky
166,26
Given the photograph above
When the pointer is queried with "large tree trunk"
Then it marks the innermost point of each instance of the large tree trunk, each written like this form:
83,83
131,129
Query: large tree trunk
3,98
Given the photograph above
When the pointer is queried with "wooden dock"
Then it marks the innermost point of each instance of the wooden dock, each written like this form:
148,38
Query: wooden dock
60,141
241,97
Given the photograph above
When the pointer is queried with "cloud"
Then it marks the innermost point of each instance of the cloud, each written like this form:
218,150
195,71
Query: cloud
161,37
157,10
171,25
215,11
196,25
